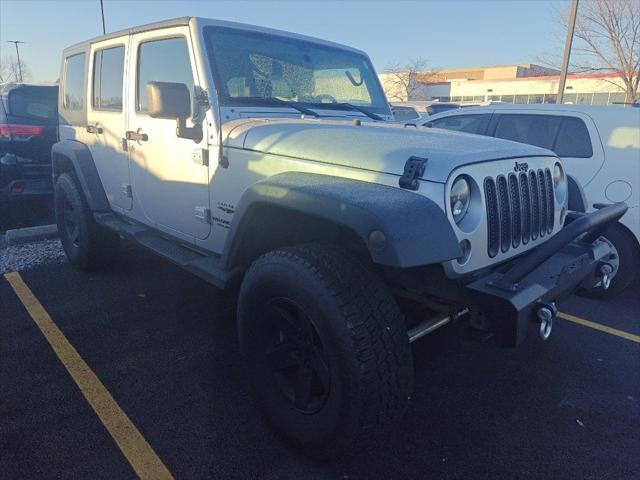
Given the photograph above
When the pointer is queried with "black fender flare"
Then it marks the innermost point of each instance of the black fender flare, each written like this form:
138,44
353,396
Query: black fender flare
415,231
72,155
577,198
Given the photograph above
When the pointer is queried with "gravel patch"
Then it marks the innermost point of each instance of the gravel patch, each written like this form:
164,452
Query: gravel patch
22,257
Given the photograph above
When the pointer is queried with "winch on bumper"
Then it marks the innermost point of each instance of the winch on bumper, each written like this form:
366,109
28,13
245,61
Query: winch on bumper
520,296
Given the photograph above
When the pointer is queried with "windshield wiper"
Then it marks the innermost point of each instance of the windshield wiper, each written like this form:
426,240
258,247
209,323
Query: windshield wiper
305,111
361,110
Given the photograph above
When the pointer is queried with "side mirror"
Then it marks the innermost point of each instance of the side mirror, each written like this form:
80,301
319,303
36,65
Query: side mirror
428,125
172,100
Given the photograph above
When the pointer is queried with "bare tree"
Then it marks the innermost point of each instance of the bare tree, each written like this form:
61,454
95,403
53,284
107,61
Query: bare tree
402,82
606,38
10,70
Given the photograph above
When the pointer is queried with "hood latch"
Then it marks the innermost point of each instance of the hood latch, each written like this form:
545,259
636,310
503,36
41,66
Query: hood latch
413,169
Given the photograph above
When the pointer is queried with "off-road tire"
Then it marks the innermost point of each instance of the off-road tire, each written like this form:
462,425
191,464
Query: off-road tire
91,246
628,262
361,331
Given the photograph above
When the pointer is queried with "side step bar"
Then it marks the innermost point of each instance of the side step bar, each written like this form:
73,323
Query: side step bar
204,266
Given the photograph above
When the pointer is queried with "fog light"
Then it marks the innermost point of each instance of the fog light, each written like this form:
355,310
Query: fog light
465,246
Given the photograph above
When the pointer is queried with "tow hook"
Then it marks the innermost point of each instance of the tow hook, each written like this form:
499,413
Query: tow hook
605,272
545,314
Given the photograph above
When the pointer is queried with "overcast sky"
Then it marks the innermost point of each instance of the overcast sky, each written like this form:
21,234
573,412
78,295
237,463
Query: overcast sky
447,33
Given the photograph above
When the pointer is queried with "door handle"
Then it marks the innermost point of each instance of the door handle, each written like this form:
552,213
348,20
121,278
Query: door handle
137,136
94,129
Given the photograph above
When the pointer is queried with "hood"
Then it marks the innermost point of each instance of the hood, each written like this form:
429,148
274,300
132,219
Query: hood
379,147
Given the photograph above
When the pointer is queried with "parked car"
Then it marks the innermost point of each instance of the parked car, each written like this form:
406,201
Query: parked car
415,110
402,113
28,129
263,159
599,145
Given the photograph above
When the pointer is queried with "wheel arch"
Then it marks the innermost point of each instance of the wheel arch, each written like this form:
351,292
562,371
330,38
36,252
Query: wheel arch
75,157
296,207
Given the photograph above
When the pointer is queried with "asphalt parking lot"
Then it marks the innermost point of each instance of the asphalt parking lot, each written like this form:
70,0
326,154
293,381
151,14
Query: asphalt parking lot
163,345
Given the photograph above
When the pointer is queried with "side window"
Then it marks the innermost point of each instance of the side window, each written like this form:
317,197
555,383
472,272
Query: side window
165,60
463,123
74,83
573,139
538,130
108,69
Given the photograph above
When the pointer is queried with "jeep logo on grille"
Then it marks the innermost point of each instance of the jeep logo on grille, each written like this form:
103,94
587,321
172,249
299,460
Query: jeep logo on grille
521,167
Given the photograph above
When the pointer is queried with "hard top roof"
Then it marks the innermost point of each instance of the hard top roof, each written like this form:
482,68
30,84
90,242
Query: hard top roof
182,21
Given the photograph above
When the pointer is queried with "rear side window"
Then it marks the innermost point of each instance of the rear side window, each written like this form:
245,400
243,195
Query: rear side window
538,130
566,136
40,103
108,68
164,60
463,123
573,139
74,83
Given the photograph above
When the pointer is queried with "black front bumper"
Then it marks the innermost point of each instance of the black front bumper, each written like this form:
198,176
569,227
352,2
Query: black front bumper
510,297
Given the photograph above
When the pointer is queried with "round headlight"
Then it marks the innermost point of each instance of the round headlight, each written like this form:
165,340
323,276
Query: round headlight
459,198
559,182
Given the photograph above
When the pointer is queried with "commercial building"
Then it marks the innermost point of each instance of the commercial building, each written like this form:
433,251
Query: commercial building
523,83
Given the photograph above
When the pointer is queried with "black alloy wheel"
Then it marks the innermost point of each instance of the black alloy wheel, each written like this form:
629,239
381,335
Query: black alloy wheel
296,357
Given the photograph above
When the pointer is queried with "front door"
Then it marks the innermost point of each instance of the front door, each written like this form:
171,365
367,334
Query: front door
106,119
170,184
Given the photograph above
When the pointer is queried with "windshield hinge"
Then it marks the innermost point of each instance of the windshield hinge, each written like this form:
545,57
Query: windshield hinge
202,98
413,169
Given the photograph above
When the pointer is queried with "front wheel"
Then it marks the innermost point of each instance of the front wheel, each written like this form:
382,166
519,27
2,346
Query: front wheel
326,347
625,259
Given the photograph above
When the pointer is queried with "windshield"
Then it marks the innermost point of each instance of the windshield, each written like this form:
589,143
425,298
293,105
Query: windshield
254,68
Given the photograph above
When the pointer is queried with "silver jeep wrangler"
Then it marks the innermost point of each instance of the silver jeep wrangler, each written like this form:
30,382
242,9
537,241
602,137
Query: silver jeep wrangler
265,161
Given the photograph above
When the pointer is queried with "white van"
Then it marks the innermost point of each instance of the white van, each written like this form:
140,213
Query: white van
600,147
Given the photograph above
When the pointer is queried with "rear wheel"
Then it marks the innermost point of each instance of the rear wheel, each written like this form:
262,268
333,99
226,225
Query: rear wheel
86,244
326,347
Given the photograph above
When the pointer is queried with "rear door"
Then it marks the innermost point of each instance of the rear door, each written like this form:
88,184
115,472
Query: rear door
170,184
107,119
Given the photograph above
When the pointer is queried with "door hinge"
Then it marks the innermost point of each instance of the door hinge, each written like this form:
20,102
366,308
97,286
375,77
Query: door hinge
413,169
200,156
203,214
126,190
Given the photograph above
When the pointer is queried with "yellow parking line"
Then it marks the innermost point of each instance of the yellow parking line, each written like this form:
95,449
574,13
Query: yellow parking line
602,328
135,448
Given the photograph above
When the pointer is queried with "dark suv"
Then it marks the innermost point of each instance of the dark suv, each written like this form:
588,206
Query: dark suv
28,129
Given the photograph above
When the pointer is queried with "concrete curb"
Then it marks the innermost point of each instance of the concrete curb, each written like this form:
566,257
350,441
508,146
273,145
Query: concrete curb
20,236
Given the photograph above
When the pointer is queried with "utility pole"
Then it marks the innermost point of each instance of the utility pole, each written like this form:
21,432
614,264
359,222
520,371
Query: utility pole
104,30
16,42
567,50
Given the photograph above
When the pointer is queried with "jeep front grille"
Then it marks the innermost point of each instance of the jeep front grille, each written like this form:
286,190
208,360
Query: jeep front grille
519,209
